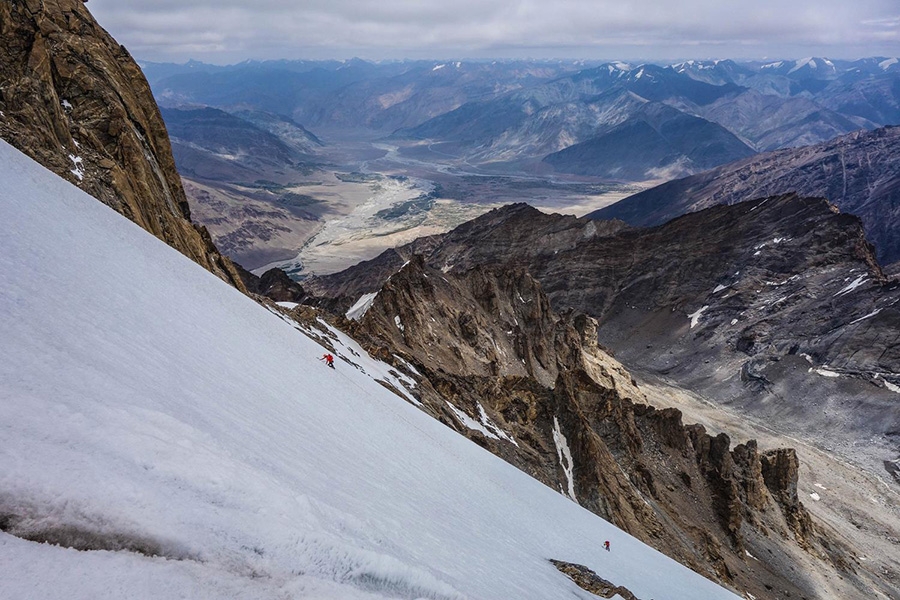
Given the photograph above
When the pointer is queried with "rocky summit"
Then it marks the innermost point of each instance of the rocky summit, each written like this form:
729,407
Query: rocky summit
75,101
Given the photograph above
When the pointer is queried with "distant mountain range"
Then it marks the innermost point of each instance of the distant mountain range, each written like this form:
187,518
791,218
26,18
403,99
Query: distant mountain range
237,171
519,112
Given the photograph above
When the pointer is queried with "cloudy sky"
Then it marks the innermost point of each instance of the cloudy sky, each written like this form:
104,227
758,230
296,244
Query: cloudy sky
228,31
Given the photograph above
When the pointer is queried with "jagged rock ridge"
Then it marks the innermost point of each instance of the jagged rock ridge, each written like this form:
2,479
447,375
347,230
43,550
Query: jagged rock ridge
75,101
496,363
776,307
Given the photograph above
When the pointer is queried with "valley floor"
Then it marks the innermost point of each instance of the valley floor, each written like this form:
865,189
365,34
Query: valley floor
369,196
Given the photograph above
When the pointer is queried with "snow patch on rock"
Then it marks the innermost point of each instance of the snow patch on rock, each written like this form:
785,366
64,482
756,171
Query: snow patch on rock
853,285
864,317
488,424
824,372
78,170
695,316
359,309
565,458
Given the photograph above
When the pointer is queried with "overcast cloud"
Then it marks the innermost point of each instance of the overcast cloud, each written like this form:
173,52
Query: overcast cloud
227,31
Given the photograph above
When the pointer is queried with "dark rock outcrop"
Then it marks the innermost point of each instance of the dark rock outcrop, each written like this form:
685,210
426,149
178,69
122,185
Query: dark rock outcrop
273,284
588,580
75,101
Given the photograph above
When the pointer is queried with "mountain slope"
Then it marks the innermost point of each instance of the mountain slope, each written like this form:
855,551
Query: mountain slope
859,173
227,138
75,101
176,418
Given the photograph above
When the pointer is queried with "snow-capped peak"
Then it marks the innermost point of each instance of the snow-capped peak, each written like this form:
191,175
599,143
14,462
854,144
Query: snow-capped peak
802,63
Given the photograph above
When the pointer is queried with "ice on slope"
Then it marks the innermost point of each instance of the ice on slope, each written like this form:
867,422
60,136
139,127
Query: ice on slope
565,458
141,397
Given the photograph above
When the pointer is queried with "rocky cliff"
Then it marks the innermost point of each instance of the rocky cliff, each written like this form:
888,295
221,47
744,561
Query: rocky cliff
495,362
75,101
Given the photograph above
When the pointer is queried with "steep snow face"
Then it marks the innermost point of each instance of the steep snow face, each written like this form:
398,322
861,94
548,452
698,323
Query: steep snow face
149,406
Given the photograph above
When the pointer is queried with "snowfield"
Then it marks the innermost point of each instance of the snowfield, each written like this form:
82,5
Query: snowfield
192,444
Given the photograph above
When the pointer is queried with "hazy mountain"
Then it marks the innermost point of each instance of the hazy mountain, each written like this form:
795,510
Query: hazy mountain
289,132
226,139
273,87
658,141
644,138
715,72
518,112
768,122
425,90
355,94
859,173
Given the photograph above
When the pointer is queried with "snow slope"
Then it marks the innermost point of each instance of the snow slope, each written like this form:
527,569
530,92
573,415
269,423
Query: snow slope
145,404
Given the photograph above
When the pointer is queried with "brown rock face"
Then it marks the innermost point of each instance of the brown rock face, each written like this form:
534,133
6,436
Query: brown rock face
779,470
75,101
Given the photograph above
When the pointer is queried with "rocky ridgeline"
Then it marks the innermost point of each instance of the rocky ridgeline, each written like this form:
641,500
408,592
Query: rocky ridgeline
274,284
858,172
75,101
777,306
496,363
